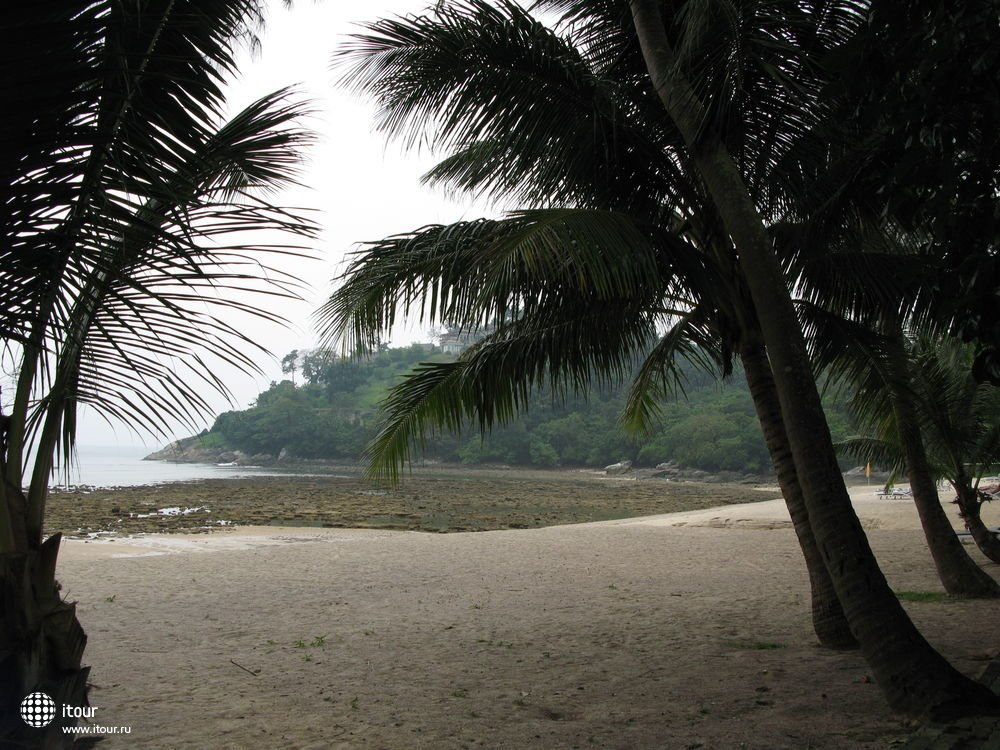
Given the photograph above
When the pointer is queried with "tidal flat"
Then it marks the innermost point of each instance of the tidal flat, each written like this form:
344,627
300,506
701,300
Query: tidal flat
428,499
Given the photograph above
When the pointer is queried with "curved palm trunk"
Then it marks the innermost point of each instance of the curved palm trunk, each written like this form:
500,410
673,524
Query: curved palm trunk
958,572
828,617
970,505
914,678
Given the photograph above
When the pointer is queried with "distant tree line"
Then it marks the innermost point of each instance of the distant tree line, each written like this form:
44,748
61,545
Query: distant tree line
328,409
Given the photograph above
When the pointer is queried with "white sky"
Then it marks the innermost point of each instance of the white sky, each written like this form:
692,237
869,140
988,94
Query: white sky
364,188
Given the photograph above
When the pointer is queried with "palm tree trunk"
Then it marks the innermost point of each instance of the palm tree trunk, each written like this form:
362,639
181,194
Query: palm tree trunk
914,678
958,572
828,617
41,640
970,506
41,646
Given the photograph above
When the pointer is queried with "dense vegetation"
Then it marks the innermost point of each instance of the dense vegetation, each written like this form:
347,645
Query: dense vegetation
329,409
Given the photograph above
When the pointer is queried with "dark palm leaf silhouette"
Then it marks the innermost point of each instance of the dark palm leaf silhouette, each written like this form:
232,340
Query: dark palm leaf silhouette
128,221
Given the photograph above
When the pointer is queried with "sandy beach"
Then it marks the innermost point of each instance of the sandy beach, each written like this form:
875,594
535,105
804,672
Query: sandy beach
684,630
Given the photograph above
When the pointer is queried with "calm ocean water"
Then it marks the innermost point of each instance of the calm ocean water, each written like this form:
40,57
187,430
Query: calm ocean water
118,466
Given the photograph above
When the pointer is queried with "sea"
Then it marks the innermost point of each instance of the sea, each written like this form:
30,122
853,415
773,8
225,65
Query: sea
122,466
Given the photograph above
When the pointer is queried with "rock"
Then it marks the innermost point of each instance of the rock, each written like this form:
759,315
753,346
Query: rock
171,452
622,467
669,468
672,471
189,450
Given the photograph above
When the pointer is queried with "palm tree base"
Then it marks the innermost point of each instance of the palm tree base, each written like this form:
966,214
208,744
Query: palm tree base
41,647
971,699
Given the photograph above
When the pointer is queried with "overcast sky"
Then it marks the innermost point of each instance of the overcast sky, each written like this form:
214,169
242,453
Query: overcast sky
363,187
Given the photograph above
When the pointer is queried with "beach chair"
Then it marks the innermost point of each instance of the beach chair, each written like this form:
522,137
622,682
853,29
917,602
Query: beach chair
893,493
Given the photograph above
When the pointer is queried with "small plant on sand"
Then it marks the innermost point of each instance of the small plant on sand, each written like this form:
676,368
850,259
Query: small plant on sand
316,642
459,693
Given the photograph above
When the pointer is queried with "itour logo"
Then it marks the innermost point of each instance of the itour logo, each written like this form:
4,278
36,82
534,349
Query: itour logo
38,710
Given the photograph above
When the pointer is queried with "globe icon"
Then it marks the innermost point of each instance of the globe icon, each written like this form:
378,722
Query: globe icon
37,710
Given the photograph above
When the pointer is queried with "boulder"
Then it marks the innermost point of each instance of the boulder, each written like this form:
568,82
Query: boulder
669,468
622,467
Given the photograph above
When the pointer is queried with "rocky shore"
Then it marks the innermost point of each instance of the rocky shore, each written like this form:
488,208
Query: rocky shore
438,500
192,451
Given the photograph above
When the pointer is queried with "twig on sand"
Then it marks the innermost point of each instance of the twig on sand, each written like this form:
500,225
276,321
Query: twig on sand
248,671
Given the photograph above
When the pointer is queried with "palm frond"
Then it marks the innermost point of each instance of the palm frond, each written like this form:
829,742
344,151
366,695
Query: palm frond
145,302
567,347
486,271
125,193
659,377
554,129
875,451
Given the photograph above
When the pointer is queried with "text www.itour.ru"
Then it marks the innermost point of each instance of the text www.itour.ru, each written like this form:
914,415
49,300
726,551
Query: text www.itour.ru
97,729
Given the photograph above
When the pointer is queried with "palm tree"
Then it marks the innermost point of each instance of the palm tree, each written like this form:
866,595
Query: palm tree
914,677
959,421
602,145
125,186
874,363
856,326
940,149
585,296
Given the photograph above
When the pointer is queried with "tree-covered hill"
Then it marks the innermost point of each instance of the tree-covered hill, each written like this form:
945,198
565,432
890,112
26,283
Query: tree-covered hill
328,408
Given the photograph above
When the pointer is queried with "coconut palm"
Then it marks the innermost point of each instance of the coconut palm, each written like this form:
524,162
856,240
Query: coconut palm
127,187
617,155
872,362
464,119
912,675
959,420
856,327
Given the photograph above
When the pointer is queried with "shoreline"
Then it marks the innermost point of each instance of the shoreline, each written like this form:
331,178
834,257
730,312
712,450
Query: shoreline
764,514
431,500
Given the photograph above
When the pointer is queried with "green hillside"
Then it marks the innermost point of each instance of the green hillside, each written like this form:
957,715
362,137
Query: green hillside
328,409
